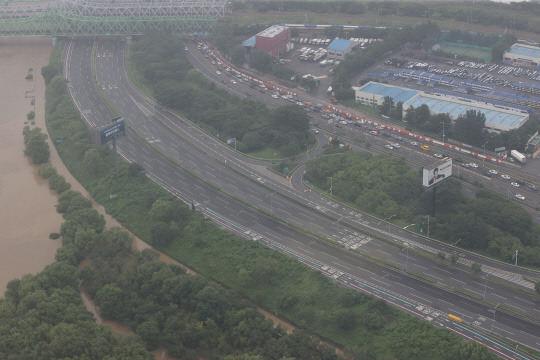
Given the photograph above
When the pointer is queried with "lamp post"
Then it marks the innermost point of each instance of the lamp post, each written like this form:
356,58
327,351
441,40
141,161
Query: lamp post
331,180
484,158
388,218
485,286
271,202
427,216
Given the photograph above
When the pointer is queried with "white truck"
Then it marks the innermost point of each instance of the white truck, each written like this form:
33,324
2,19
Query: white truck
518,156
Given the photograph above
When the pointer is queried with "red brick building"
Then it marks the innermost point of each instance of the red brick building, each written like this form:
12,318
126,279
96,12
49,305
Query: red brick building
274,40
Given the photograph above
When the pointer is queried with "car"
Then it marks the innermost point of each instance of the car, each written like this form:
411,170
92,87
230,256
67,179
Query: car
514,184
390,147
234,82
520,197
465,165
473,165
218,72
373,132
424,147
511,159
493,172
213,62
506,177
396,145
248,94
438,156
275,96
414,143
532,187
186,48
299,103
315,131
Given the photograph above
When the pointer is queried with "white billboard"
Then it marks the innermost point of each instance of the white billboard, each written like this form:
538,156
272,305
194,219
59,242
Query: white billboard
437,172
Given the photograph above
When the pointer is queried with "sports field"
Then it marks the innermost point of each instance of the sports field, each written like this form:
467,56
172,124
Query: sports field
471,52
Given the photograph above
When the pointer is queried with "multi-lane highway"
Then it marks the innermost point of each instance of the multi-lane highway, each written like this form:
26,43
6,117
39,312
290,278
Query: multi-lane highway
195,152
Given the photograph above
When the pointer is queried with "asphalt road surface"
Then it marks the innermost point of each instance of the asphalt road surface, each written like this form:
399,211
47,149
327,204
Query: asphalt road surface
192,150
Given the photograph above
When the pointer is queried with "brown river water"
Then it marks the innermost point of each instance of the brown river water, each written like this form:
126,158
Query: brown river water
27,212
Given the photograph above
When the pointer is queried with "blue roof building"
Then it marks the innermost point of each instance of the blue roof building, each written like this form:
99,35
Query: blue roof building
522,54
499,117
338,48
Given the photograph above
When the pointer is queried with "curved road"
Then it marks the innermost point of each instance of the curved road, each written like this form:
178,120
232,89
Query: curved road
216,166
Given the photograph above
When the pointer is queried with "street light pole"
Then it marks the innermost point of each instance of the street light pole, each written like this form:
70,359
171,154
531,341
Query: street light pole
485,286
331,179
484,158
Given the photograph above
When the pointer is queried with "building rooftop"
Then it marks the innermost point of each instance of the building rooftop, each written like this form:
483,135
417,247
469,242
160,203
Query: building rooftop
339,44
396,93
525,50
249,42
495,118
272,31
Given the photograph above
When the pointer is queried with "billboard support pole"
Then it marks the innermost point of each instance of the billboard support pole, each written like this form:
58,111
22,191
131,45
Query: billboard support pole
433,212
115,157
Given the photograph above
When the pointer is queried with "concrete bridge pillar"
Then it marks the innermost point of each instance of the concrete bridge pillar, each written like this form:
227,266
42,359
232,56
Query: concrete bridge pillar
128,39
54,39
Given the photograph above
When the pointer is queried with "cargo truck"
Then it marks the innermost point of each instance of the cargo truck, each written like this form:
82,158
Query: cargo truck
518,156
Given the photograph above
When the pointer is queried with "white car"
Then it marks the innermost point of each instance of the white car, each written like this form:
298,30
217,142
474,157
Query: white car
438,156
472,165
506,177
514,184
520,197
396,145
390,147
218,72
494,172
275,96
414,143
234,82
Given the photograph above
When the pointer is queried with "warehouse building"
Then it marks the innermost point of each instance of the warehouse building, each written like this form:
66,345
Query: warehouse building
498,117
338,48
276,40
524,55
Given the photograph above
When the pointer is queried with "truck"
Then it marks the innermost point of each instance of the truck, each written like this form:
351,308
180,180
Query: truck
518,156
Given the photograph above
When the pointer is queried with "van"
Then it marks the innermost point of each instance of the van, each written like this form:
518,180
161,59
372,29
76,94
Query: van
424,147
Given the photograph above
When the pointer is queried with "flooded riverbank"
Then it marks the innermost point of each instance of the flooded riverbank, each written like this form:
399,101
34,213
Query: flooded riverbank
27,206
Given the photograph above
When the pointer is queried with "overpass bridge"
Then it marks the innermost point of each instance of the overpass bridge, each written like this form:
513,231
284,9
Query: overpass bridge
108,17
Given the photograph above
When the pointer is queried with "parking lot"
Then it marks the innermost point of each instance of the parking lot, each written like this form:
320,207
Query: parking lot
493,81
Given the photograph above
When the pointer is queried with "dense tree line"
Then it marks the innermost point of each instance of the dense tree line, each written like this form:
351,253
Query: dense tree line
161,60
468,128
515,15
387,187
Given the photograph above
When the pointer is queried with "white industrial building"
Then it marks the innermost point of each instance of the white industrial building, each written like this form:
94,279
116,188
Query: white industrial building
498,118
521,54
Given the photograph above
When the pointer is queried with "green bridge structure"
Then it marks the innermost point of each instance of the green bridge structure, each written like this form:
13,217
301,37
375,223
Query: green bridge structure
108,17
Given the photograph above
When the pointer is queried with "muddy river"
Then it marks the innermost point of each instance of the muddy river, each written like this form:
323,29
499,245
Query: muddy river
27,213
